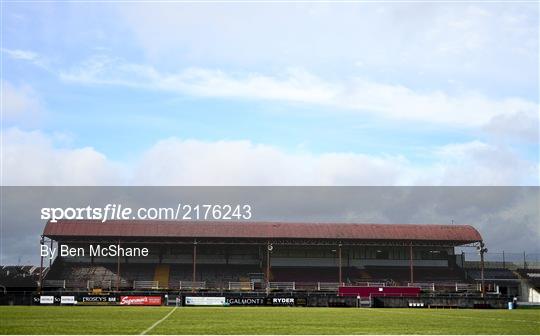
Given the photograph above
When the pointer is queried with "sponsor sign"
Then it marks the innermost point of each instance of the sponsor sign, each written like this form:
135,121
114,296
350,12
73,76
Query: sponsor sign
67,300
245,301
46,299
282,301
205,301
140,300
97,300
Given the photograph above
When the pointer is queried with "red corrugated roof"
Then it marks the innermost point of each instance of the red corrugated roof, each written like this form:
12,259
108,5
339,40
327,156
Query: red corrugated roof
209,229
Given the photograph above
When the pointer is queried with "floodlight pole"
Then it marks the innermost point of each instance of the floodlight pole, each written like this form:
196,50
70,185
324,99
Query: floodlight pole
483,250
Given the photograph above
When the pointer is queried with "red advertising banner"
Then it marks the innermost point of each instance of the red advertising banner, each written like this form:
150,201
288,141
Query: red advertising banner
139,300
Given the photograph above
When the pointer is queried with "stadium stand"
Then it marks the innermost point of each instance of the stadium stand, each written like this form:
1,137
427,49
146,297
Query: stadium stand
531,275
233,255
20,277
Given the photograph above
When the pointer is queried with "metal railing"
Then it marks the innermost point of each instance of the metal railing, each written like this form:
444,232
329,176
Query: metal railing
328,286
103,284
241,285
448,286
192,285
306,286
282,285
138,284
251,285
468,287
425,286
54,284
371,284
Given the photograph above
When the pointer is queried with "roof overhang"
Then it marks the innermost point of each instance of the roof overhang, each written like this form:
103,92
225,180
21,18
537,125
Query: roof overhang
452,235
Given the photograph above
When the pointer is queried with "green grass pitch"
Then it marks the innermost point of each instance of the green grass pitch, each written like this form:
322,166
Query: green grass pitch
264,320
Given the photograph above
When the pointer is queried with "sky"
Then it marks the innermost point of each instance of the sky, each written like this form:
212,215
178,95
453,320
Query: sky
394,94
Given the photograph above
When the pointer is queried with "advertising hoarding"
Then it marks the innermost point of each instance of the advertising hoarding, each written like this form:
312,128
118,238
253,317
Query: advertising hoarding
140,300
205,301
67,300
46,299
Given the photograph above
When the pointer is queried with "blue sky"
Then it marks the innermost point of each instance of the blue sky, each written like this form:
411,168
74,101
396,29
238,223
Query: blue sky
289,93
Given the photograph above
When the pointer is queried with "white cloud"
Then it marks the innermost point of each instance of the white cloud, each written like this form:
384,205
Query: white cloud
35,158
478,163
462,40
26,55
519,126
20,103
395,102
191,162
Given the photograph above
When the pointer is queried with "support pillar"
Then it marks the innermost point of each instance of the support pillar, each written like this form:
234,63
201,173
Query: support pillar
269,249
411,267
41,241
339,265
118,269
51,246
483,250
194,278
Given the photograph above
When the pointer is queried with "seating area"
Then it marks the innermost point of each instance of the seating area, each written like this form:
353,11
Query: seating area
220,276
217,276
491,274
304,274
319,274
401,275
78,275
20,276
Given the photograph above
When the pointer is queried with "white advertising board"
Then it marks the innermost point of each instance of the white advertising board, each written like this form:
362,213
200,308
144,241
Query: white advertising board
67,300
205,301
46,299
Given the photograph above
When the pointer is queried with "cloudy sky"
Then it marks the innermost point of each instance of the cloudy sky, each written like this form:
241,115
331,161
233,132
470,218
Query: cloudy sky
270,94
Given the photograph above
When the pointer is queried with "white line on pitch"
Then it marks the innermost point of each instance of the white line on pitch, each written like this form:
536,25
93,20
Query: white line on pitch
158,322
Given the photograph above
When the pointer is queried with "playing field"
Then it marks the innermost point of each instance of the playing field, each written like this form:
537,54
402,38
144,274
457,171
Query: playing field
272,320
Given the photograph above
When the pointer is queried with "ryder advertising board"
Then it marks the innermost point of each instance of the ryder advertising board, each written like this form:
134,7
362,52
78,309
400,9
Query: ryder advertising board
140,300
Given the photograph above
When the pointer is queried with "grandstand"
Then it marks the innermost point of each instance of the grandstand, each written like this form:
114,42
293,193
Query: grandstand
257,255
530,283
313,264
